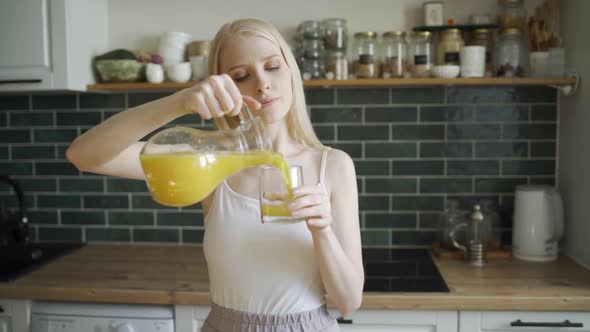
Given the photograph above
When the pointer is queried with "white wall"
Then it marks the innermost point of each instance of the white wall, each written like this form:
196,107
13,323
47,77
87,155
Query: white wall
139,23
574,161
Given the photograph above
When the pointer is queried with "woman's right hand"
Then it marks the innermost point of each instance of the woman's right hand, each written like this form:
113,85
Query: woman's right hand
216,96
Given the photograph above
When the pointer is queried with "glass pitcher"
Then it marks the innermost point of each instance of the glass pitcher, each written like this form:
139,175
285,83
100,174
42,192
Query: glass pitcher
183,165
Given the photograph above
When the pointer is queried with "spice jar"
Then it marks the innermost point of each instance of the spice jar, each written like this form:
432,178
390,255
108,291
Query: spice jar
364,55
449,48
335,34
336,66
421,54
483,37
512,14
393,59
511,54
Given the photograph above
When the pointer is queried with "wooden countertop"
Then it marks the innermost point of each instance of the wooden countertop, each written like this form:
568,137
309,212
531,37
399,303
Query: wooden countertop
177,275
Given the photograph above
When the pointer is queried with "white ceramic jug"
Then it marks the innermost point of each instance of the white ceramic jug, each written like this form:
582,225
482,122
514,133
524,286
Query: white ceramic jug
538,223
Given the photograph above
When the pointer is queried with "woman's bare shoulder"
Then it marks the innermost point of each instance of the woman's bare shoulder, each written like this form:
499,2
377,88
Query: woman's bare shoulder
339,165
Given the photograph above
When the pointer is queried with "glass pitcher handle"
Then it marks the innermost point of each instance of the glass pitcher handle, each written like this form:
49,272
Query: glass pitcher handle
452,232
244,116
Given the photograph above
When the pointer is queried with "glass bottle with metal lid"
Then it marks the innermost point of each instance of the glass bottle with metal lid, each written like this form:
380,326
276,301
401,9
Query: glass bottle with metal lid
364,55
449,48
393,54
512,14
511,54
421,54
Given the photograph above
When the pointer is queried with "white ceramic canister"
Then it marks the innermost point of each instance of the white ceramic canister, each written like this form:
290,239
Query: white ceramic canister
154,73
473,61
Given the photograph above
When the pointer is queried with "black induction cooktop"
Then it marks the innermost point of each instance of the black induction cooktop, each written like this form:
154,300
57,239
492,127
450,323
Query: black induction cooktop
17,260
401,270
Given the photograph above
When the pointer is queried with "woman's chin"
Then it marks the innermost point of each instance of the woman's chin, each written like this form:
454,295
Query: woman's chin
272,117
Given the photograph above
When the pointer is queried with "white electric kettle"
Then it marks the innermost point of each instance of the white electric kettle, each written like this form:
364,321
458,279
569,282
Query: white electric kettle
538,223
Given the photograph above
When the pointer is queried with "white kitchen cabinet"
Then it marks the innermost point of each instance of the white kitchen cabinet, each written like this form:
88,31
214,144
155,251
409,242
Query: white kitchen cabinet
191,318
511,321
49,44
15,315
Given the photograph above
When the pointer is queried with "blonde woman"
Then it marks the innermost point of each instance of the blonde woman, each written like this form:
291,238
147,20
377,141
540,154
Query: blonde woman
262,277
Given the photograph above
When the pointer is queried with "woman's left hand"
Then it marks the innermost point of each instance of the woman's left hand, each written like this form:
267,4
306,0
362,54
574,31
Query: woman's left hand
313,204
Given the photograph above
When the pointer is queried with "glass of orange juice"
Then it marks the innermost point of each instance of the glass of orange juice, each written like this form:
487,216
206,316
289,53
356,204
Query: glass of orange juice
275,195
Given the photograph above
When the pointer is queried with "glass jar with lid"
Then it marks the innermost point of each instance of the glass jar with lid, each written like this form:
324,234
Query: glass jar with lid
449,47
309,30
336,66
420,54
484,37
310,48
335,34
512,14
511,54
365,64
393,54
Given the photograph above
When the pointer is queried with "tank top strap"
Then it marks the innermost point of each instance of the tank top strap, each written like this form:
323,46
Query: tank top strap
323,166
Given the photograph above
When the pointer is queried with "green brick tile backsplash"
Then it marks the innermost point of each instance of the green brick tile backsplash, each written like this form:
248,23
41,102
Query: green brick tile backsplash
391,114
78,118
33,152
107,234
47,101
15,136
102,100
28,119
192,236
413,148
16,102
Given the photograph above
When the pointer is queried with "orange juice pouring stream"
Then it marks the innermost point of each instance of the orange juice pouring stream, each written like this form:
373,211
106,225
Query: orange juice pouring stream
185,178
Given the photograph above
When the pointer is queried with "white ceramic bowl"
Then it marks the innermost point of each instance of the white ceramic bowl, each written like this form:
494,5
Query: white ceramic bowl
446,71
179,72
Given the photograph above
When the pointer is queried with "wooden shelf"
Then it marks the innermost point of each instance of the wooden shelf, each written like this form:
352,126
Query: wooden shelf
491,81
486,81
462,27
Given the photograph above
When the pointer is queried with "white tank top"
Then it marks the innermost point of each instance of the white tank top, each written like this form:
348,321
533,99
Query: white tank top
255,267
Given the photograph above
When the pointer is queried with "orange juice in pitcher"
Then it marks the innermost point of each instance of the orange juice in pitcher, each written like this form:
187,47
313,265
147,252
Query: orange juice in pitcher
185,178
183,165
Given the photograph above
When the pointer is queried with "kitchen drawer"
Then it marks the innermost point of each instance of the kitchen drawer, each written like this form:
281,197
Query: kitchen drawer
509,321
7,307
16,315
375,320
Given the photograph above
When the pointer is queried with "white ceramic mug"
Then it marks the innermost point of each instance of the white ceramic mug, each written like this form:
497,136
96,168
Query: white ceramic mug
473,61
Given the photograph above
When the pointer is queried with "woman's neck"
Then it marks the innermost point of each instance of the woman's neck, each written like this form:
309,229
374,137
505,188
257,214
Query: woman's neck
282,142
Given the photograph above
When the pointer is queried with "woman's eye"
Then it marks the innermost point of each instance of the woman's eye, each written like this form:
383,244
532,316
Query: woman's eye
240,78
273,68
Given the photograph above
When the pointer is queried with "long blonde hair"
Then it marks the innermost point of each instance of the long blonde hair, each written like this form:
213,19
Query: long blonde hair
298,121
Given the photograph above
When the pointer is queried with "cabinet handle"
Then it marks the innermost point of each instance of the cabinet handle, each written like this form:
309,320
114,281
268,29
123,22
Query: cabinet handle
34,80
565,323
341,320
